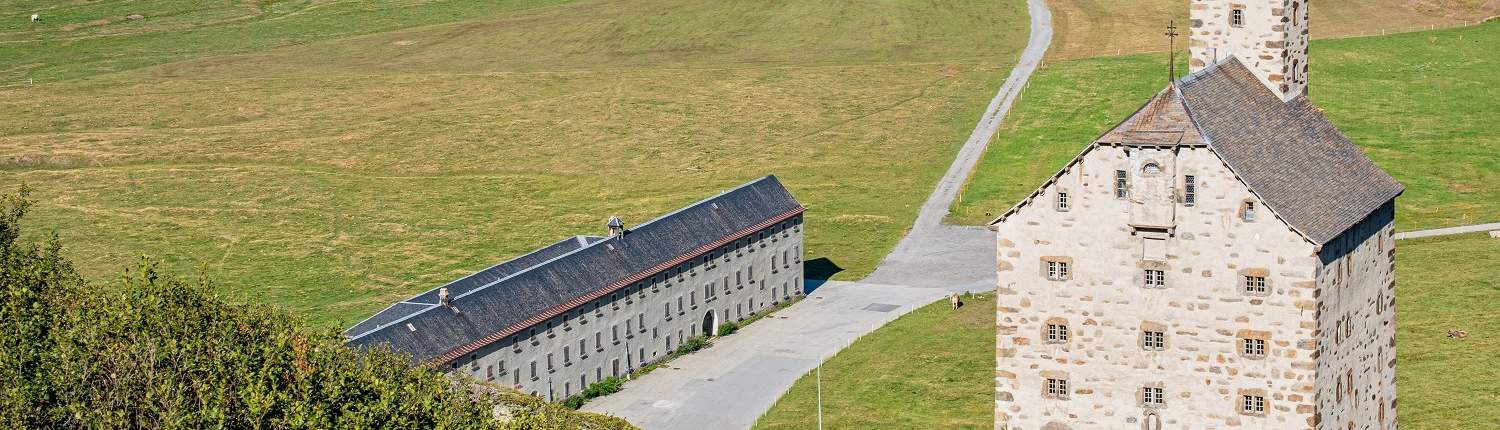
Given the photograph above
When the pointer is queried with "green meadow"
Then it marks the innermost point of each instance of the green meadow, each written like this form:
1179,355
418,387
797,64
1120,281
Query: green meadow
333,158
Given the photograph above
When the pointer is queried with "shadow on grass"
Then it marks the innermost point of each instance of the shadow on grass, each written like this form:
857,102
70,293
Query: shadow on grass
816,273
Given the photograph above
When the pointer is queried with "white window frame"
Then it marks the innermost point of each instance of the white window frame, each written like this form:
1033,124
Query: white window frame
1154,340
1155,278
1057,388
1153,397
1057,333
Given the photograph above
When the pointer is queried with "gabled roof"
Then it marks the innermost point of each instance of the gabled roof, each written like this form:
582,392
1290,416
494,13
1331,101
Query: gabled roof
1287,153
570,273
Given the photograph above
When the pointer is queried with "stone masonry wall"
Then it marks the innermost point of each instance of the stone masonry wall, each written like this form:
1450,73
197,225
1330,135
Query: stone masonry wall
1272,42
1357,326
642,323
1105,306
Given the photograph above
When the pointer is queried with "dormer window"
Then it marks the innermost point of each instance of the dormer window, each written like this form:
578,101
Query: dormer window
1237,18
1151,169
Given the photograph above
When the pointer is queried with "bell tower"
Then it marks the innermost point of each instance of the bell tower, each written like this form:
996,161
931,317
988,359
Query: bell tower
1268,36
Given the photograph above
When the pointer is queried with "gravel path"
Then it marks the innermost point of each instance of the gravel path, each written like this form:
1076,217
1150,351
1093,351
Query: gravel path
731,384
1448,231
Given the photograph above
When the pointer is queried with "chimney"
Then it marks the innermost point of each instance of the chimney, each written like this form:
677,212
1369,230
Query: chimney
616,227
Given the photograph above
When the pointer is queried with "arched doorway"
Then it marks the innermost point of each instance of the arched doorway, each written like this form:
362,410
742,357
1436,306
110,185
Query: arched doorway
710,324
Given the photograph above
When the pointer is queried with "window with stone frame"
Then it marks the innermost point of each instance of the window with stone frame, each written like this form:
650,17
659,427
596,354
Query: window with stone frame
1055,388
533,370
1253,282
489,372
583,348
1247,211
1252,404
1237,18
1253,348
1056,268
1056,332
1153,340
567,355
1155,278
1153,397
1121,184
1061,204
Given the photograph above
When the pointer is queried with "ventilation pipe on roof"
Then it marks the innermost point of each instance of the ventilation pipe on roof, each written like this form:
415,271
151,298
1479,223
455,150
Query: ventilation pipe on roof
616,227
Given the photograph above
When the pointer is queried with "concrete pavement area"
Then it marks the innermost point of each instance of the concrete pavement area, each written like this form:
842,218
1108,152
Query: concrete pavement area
729,385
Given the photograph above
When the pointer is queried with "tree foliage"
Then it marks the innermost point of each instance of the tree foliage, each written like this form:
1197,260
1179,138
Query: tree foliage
153,351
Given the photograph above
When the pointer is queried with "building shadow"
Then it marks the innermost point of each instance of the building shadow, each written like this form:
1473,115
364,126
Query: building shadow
816,273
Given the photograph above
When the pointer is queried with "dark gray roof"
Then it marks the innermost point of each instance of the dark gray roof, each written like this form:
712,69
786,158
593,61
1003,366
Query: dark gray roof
1288,153
490,309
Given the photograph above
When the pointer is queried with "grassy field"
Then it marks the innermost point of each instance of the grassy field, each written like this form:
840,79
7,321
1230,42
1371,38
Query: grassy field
1422,105
934,369
1089,28
331,160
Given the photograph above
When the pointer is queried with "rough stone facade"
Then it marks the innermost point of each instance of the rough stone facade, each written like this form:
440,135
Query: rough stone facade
1356,326
1203,253
642,323
1270,38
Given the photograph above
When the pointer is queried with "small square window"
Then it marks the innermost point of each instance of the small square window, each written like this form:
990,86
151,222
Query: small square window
1154,340
1062,201
1057,333
1237,18
1255,285
1057,388
1252,404
1153,396
1057,270
1253,348
1155,278
1247,211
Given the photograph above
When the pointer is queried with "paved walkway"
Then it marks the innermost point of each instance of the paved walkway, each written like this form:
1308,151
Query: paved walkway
731,384
1476,228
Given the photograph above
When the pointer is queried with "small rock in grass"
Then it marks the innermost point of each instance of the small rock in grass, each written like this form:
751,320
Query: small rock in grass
1495,234
135,16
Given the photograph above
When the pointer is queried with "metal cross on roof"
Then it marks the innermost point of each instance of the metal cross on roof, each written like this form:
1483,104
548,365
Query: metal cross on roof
1172,50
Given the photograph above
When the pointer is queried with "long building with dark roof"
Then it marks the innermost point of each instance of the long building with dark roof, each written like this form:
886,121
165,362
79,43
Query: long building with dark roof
560,318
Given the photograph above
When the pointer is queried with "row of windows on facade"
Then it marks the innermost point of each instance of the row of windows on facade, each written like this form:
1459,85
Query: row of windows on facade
1189,196
567,351
664,281
1154,340
1155,278
1156,397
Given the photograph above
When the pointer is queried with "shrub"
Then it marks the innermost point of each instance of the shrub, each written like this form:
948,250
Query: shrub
692,344
728,328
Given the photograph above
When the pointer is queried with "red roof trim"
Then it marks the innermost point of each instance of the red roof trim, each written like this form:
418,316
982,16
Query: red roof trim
612,287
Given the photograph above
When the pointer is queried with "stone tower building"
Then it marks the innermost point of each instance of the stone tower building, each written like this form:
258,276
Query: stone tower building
1223,258
1268,36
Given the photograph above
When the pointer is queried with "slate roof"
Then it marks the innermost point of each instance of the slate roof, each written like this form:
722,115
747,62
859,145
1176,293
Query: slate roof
511,296
1304,169
1288,153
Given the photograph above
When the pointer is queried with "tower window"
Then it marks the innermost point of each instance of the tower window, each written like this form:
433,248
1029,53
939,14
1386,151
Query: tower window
1057,388
1153,397
1237,18
1062,201
1120,191
1189,190
1156,278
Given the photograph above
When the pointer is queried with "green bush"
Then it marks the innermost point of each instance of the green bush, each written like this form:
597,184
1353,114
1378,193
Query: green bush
152,351
691,345
728,328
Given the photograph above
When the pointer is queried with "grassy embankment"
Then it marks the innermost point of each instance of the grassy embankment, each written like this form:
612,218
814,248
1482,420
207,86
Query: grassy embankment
935,369
334,174
1089,28
1421,105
